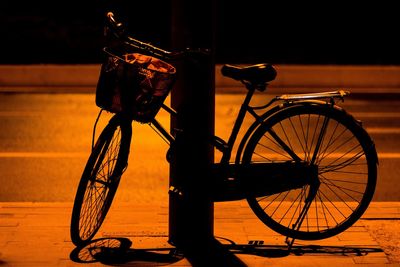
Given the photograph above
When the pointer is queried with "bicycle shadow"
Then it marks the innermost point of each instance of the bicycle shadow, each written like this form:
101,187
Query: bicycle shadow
118,251
258,248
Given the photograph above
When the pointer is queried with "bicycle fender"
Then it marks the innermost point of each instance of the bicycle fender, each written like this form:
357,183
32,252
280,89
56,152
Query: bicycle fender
278,108
252,129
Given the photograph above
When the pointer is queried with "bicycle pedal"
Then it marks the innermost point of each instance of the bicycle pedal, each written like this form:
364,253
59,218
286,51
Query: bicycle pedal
256,242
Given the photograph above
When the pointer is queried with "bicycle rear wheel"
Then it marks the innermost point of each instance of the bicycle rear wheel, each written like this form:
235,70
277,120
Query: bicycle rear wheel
347,169
100,180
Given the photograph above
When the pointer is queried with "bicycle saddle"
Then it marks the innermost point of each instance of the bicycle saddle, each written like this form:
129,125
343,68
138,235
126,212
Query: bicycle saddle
256,74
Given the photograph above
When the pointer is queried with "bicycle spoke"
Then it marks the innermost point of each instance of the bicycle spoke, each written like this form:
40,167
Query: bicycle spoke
330,143
341,188
98,184
284,146
273,150
343,171
313,136
345,181
304,135
294,213
320,140
331,167
297,135
338,149
336,194
327,209
280,203
298,207
333,204
323,210
92,206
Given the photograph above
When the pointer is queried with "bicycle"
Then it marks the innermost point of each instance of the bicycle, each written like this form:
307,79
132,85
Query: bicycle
307,168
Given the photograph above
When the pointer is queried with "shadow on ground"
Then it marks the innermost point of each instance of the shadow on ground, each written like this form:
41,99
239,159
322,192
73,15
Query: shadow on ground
118,251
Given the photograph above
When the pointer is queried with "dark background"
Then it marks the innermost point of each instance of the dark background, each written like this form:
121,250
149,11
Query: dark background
70,32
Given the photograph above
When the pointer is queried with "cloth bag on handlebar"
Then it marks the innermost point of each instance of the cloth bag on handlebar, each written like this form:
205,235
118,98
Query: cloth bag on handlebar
135,84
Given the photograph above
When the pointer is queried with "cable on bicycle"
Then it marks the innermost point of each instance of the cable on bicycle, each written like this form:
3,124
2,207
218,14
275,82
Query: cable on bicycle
159,134
94,127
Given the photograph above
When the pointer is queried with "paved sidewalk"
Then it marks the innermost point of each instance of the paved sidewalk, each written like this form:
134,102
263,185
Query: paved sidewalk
37,234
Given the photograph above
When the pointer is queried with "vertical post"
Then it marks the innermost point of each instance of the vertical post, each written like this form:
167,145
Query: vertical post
191,210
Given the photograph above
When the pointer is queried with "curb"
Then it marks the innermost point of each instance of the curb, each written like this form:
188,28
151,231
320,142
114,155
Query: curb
51,78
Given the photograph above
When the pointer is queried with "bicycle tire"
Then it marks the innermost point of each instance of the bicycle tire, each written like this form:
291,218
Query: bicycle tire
100,180
347,170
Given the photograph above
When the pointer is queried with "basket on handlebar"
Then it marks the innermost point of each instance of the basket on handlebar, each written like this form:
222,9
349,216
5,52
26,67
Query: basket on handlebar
134,84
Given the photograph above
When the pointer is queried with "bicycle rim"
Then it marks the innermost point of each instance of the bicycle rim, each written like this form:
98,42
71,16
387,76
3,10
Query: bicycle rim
99,181
346,161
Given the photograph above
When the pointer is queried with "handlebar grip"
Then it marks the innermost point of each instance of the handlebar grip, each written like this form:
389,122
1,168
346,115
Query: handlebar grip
118,30
115,26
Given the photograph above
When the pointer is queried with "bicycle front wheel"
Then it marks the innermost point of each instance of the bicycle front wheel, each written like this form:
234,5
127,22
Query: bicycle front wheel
345,156
100,180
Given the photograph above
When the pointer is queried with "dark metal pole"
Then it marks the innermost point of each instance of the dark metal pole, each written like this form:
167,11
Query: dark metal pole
191,210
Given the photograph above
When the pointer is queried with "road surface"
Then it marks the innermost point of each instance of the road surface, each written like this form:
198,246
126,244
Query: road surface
45,140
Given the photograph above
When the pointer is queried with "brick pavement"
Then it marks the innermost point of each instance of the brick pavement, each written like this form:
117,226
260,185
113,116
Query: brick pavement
37,234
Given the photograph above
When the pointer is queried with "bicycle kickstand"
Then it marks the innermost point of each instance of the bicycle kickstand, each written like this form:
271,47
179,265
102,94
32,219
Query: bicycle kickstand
289,242
296,226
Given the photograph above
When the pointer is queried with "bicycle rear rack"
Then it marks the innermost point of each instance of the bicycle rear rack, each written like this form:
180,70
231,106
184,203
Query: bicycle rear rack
334,94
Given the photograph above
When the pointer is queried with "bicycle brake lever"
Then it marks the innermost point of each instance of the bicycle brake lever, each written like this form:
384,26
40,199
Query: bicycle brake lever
116,27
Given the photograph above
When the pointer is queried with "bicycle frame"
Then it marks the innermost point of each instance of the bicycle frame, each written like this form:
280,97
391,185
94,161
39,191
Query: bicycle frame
331,164
220,144
226,147
237,180
288,174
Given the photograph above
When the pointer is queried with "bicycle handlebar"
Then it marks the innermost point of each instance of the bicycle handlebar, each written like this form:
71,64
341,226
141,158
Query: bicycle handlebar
120,32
